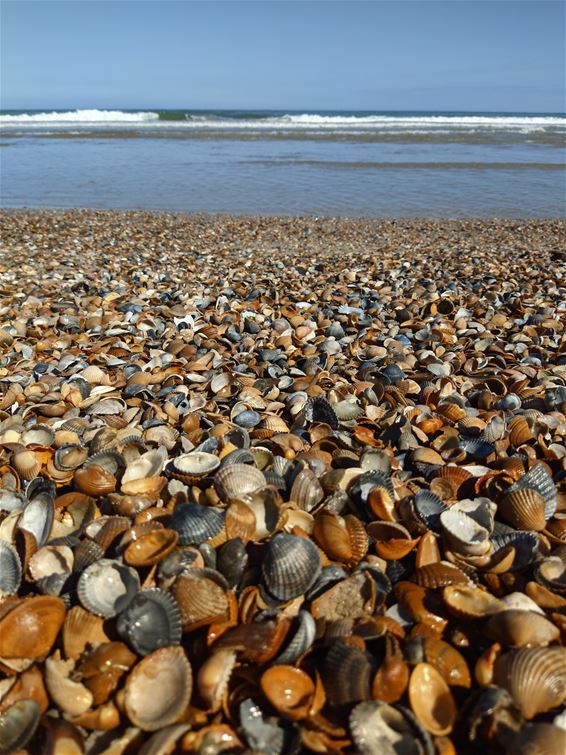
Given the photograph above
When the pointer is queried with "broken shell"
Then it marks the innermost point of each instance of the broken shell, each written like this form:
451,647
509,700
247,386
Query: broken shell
158,689
213,677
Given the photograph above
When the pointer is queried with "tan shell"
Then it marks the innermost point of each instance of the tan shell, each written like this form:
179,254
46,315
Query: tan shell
81,627
29,629
151,547
535,677
26,464
95,481
289,690
516,628
431,700
201,599
331,534
391,680
72,697
468,602
523,508
237,480
519,431
213,677
159,689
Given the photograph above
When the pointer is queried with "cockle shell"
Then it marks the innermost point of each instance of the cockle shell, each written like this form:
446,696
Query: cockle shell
535,677
10,569
106,587
150,621
193,466
290,690
291,566
158,689
237,481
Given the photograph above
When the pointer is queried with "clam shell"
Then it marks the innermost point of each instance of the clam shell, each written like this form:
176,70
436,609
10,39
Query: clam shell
18,724
463,533
10,569
37,518
431,700
306,490
539,480
355,670
202,597
290,690
381,729
291,566
193,466
524,508
515,627
213,677
319,410
152,620
535,677
439,574
151,547
301,640
159,689
551,572
40,435
69,457
80,628
428,507
196,523
468,602
106,587
26,464
237,481
95,481
30,628
519,431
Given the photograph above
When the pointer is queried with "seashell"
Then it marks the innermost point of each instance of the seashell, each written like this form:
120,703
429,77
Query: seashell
202,597
538,479
355,669
196,523
151,620
306,490
392,540
69,457
291,566
349,598
516,628
37,518
193,466
381,729
519,431
535,677
107,587
391,680
81,627
431,700
331,534
301,640
30,627
95,481
158,689
347,409
428,507
109,459
521,602
49,560
540,739
40,435
524,508
290,691
237,481
551,572
247,418
464,534
213,677
10,569
439,574
18,724
72,697
102,668
263,736
319,410
26,464
151,547
232,560
468,602
476,448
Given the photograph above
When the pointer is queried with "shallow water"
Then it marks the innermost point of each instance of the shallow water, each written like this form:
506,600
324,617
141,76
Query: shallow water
331,169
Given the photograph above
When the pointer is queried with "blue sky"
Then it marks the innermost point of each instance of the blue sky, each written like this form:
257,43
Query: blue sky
426,55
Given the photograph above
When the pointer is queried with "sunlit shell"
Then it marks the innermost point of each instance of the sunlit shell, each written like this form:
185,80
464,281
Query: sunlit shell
306,490
26,464
291,565
213,677
551,572
535,677
40,435
431,700
524,508
95,481
392,540
463,533
81,627
151,547
516,628
381,729
107,587
151,620
71,696
193,466
18,724
202,597
538,479
196,523
519,431
68,457
289,690
29,629
331,534
237,481
439,574
51,559
467,601
391,680
10,569
159,689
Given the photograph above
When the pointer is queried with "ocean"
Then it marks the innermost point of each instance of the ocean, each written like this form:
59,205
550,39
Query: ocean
375,164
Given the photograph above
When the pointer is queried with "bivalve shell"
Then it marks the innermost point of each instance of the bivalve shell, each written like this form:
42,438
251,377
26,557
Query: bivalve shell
535,677
106,587
431,700
237,481
152,620
291,566
193,466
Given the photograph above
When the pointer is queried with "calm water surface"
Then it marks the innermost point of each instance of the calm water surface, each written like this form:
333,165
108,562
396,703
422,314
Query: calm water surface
342,164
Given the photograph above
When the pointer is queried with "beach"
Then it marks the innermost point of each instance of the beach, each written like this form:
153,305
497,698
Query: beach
281,484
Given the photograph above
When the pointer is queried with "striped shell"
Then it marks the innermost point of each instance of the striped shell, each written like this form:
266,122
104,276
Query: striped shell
291,566
237,481
10,569
524,508
196,523
152,620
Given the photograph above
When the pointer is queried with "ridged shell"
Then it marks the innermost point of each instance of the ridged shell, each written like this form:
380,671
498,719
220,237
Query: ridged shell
193,466
306,490
431,700
26,464
10,569
347,673
301,640
347,409
428,507
439,574
107,587
237,481
381,729
538,479
535,677
524,508
291,566
159,689
68,457
196,523
152,620
202,597
319,410
519,431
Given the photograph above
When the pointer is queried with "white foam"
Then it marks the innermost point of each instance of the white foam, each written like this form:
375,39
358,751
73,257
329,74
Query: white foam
79,117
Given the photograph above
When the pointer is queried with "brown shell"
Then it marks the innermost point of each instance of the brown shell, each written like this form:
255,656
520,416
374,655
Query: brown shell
448,661
431,700
240,521
289,690
331,534
468,602
29,629
95,481
201,599
391,680
517,628
523,508
151,547
159,689
519,431
439,574
80,628
26,464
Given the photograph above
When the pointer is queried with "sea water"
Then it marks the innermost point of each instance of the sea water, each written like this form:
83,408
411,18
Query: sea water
267,162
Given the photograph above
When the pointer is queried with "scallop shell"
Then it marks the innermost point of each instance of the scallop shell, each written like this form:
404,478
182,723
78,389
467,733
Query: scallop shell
524,508
10,569
196,523
291,566
538,479
159,689
535,677
107,587
152,620
238,480
193,466
431,700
